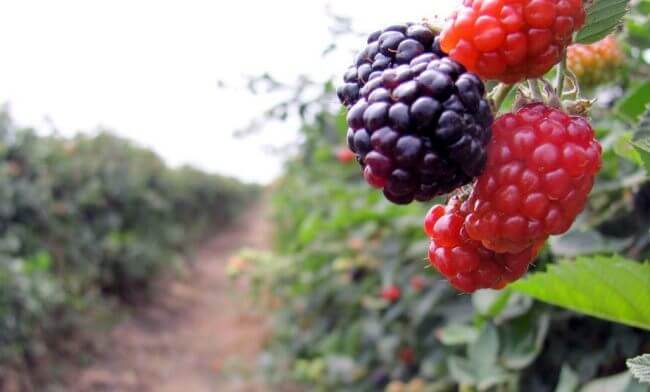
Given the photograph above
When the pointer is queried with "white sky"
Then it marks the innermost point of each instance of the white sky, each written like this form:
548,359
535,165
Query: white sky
149,69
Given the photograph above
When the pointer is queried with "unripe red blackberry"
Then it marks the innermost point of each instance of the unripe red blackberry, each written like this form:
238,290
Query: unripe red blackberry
511,40
595,63
393,46
541,167
420,129
466,263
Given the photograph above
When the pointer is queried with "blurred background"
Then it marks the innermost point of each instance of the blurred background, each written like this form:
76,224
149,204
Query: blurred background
159,73
179,212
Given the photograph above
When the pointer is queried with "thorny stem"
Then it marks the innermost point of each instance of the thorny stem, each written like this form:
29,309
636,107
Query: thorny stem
498,95
559,78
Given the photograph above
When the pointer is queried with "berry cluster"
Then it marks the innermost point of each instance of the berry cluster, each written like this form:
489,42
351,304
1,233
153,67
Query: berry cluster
395,45
541,167
511,40
421,129
595,63
420,126
467,264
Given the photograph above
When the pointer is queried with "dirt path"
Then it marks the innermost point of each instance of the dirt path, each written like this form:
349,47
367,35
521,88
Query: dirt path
199,334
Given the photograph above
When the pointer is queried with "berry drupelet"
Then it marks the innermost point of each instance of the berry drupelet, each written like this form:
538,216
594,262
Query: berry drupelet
393,46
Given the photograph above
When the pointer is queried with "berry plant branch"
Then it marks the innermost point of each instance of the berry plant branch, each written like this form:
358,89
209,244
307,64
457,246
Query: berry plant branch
561,71
534,89
498,95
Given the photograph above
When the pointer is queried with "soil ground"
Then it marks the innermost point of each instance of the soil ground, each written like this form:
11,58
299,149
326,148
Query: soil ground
199,333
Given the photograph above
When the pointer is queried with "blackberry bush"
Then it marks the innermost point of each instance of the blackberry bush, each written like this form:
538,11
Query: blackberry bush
420,129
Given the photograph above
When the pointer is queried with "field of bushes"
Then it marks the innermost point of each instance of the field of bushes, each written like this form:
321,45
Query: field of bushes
86,223
357,308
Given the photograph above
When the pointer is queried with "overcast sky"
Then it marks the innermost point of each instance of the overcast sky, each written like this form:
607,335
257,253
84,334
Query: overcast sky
149,70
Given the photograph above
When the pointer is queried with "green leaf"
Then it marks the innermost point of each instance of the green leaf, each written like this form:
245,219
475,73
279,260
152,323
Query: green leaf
634,103
485,348
580,243
623,147
641,142
569,380
621,382
523,345
640,367
462,370
643,148
611,288
500,305
456,334
603,17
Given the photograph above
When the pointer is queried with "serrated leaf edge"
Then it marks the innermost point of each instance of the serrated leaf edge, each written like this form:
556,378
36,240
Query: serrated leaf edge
640,367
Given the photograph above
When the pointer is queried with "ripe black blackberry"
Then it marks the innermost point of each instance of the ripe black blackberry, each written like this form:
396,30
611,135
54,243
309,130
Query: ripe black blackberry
388,48
421,129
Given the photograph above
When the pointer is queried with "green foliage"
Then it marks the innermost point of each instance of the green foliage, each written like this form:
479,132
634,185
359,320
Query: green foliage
603,17
634,103
642,139
611,288
89,217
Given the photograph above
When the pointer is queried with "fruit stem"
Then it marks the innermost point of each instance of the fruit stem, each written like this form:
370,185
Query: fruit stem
498,95
534,89
559,78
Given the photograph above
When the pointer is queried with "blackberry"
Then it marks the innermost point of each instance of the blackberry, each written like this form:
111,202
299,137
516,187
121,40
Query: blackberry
421,129
386,49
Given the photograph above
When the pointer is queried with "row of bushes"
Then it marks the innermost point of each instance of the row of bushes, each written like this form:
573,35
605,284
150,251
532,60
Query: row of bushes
88,218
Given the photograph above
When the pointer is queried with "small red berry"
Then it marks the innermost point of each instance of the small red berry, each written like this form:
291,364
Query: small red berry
541,167
345,155
407,355
510,40
418,283
391,293
595,63
466,263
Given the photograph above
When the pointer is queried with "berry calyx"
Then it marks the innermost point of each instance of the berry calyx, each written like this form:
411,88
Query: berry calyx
391,293
540,170
420,130
511,40
388,48
466,263
595,63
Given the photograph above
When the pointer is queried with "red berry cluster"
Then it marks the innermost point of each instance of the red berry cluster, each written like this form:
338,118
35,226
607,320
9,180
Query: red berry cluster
467,264
421,127
541,167
511,40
